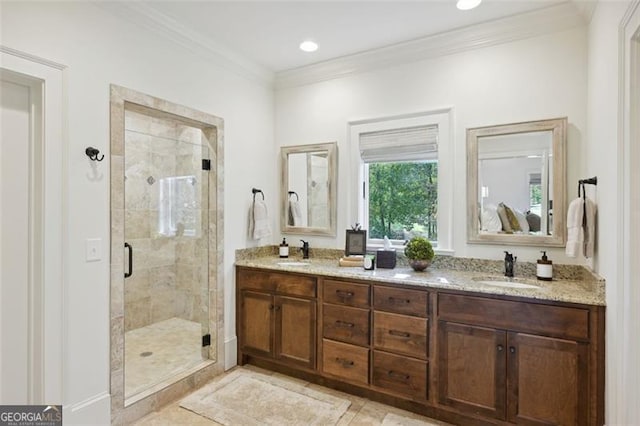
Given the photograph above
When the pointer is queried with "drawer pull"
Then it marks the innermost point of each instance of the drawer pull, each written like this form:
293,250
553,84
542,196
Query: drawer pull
346,363
344,324
397,300
344,294
398,376
399,333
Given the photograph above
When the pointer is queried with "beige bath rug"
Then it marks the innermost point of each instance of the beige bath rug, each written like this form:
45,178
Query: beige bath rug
396,420
249,398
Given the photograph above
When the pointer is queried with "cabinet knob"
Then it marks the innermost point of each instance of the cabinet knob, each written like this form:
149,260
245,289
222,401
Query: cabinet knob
512,349
397,300
345,362
398,376
277,308
500,348
399,333
345,294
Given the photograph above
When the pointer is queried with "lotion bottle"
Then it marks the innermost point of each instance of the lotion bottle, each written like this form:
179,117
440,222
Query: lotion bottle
544,270
284,249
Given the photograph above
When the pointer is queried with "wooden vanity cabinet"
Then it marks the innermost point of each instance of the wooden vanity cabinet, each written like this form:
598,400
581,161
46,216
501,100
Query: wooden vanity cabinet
277,317
346,321
488,366
401,341
461,357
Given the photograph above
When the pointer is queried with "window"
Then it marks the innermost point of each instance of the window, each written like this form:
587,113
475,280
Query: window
403,165
535,192
402,199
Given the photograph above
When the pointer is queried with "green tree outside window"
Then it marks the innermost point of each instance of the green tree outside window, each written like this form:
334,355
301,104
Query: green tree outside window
403,200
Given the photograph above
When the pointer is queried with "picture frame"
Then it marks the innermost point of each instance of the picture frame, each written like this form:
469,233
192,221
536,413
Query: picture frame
356,243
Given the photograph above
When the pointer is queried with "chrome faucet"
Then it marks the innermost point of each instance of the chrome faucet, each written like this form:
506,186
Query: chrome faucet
509,264
305,249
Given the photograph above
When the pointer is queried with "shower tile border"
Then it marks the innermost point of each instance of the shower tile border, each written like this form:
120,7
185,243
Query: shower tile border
121,99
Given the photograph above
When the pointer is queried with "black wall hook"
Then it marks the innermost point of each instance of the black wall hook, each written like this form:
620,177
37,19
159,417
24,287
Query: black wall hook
257,191
92,153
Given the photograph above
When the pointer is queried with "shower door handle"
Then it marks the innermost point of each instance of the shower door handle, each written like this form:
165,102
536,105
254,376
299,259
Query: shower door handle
130,271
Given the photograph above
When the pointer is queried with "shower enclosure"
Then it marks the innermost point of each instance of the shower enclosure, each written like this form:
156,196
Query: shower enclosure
166,193
166,289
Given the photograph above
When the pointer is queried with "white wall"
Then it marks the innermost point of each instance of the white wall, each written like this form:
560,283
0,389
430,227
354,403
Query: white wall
602,160
537,78
100,49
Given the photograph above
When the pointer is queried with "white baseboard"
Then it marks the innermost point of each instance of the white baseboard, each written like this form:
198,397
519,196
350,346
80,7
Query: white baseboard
92,411
230,353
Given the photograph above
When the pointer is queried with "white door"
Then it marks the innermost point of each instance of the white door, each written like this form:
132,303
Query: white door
16,255
31,229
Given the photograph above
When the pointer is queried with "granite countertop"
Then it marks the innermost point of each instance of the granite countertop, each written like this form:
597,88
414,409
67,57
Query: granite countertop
577,287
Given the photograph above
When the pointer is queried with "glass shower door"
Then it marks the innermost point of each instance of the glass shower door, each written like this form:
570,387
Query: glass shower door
166,230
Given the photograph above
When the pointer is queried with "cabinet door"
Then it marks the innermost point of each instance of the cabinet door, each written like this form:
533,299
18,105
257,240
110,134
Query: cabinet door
296,330
472,369
547,380
257,323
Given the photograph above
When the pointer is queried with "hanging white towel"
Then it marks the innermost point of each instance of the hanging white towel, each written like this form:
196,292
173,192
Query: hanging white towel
575,232
260,227
295,213
581,228
589,228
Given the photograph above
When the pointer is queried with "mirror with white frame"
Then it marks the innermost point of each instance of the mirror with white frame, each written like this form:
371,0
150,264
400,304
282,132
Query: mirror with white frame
516,183
308,191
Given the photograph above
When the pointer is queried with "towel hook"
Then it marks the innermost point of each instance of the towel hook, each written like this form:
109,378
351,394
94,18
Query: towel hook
92,153
294,193
583,182
255,191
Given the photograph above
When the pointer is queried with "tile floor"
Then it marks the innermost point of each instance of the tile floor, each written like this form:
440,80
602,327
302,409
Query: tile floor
361,412
158,352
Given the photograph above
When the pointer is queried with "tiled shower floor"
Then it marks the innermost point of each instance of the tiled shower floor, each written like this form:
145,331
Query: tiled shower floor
157,352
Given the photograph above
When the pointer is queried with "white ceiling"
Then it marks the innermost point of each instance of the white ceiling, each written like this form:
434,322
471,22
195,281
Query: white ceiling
267,33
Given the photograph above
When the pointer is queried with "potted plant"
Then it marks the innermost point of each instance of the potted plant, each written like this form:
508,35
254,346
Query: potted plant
419,252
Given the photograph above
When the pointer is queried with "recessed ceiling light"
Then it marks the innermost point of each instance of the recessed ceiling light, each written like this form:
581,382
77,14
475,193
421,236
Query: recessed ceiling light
467,4
308,46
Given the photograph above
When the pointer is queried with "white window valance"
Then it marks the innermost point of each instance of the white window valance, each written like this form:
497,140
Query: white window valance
404,144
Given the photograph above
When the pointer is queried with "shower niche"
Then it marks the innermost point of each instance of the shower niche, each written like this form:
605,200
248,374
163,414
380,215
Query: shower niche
166,289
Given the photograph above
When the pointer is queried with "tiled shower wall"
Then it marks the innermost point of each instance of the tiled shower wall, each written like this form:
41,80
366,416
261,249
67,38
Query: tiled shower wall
170,263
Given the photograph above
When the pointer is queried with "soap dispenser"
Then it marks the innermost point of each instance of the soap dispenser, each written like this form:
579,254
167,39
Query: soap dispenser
284,249
544,270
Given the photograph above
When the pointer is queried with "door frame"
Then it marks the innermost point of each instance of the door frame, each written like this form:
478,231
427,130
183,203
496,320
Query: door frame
628,297
47,307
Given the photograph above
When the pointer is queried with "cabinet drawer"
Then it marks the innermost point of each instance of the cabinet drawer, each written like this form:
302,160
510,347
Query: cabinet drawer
400,374
344,293
401,334
401,301
549,320
346,324
288,284
347,361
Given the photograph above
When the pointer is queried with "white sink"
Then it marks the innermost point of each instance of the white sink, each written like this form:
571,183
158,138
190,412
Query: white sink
293,263
504,283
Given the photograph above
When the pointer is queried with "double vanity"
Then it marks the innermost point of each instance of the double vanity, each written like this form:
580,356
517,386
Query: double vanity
459,342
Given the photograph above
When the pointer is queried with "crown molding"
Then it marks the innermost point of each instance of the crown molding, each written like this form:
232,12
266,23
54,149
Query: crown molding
32,58
586,8
145,15
544,21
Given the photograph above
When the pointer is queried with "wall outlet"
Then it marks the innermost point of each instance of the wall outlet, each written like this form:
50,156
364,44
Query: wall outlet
94,249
